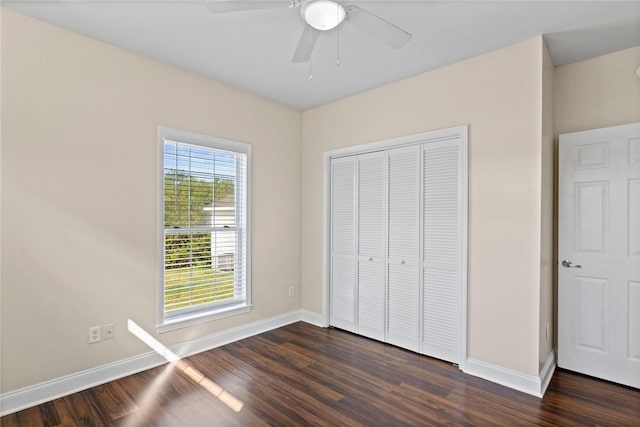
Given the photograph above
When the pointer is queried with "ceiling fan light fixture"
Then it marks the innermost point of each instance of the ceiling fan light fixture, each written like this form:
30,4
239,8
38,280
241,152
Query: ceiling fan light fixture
323,15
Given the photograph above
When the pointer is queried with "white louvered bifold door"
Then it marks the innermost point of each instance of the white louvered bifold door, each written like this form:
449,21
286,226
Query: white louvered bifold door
343,235
371,237
442,249
403,245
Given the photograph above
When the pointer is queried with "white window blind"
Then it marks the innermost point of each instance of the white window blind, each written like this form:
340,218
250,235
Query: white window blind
205,224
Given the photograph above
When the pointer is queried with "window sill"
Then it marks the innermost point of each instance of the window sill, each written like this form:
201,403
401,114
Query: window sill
187,320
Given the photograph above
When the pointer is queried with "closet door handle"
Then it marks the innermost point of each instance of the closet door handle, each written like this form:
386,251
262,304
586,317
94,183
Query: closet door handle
402,262
370,258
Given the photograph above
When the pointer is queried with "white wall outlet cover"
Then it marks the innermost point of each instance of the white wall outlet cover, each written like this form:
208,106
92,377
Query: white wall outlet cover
94,334
638,72
108,331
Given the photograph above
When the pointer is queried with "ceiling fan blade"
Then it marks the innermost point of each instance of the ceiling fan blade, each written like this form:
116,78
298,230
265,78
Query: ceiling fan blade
306,44
379,28
227,6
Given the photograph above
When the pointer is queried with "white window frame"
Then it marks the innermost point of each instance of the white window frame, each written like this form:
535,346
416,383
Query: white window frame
187,318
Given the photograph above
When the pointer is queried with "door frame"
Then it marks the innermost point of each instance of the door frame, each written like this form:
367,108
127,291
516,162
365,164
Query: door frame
458,132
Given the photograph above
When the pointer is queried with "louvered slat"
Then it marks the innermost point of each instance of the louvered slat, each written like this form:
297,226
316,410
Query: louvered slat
404,305
371,199
343,292
403,240
441,250
343,260
403,202
371,303
342,206
371,244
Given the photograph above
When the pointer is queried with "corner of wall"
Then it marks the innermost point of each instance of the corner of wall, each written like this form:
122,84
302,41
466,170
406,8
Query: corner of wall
547,208
1,334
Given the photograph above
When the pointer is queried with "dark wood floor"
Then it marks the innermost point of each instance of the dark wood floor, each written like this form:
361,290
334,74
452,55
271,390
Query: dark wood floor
303,375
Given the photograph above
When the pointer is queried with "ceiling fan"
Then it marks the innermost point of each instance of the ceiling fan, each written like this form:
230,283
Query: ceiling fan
321,15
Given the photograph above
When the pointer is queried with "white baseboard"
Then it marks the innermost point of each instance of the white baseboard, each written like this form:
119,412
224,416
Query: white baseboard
530,384
58,387
316,319
49,390
547,372
207,342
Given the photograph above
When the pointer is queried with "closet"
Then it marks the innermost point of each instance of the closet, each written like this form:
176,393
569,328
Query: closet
397,242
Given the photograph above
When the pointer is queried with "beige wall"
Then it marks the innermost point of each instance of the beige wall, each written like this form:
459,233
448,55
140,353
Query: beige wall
499,95
1,364
79,184
80,195
547,239
598,92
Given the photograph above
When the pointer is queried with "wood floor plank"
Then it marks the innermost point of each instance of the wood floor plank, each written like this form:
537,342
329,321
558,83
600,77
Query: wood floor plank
113,400
350,366
312,399
284,373
254,389
304,375
278,353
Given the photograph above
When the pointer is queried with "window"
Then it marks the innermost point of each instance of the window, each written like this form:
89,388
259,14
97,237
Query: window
205,228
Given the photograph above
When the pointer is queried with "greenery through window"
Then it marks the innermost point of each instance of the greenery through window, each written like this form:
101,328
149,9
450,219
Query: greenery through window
204,197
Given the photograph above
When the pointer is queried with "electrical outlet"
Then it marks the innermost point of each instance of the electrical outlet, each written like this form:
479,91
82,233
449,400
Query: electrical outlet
108,331
94,334
292,291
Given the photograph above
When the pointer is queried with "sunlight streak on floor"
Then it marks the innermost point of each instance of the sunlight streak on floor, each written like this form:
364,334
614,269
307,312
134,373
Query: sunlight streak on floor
225,397
149,399
183,366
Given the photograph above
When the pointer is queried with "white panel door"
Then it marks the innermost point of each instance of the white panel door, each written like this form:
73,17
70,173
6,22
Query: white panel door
599,253
442,249
371,238
403,294
343,244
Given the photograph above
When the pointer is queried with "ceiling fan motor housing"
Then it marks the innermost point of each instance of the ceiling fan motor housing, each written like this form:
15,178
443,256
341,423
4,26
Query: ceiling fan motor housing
323,15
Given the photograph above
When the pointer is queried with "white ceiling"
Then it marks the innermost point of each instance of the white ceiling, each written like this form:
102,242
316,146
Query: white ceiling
252,50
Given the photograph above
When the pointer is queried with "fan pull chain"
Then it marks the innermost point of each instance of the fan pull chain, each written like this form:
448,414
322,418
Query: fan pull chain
338,37
310,46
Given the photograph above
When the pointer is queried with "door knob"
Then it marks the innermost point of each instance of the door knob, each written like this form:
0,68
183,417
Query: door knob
568,264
